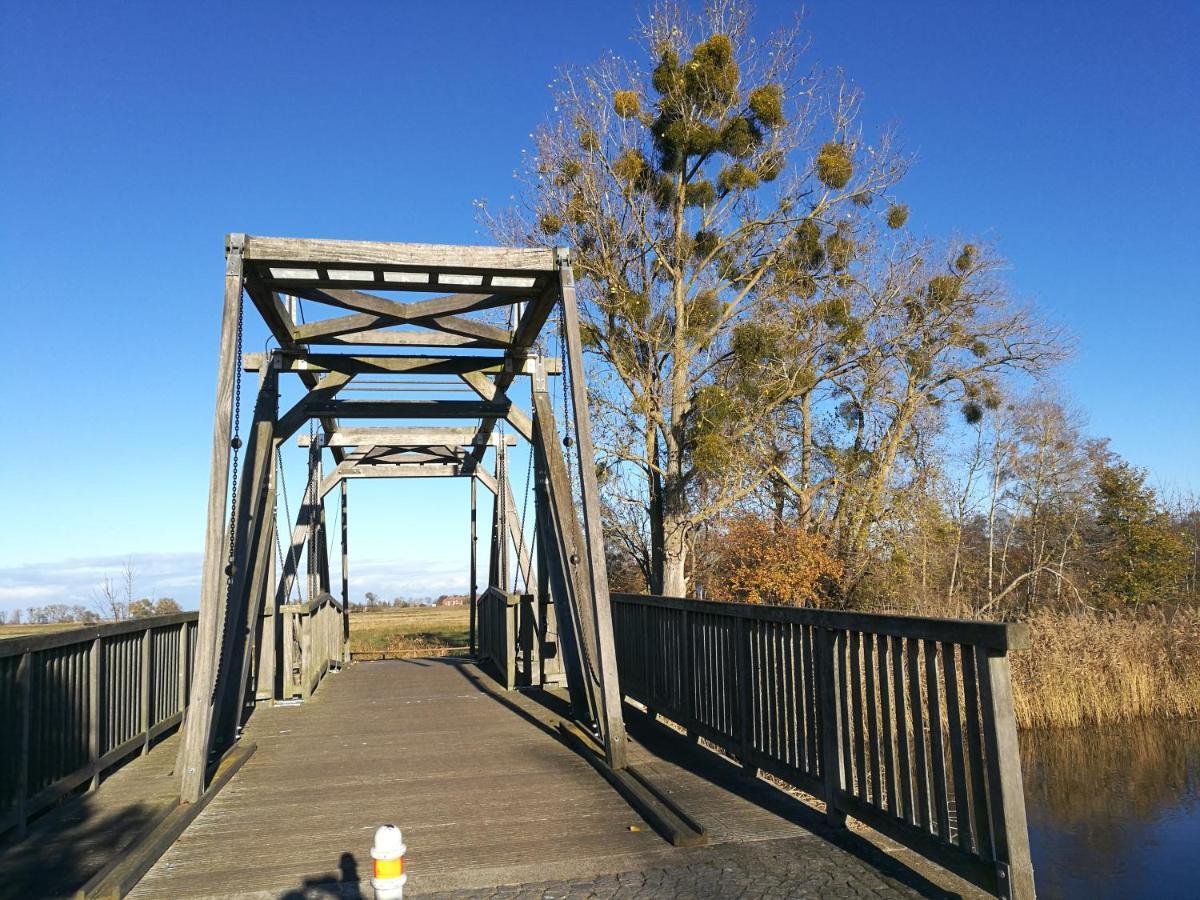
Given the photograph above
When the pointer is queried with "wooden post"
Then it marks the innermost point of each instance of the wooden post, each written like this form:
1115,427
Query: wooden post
21,748
184,658
144,698
610,689
198,723
474,613
1010,829
345,648
561,540
95,703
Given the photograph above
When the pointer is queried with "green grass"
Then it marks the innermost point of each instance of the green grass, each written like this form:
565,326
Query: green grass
426,628
10,631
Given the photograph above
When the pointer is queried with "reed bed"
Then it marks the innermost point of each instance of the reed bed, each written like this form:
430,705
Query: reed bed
1117,667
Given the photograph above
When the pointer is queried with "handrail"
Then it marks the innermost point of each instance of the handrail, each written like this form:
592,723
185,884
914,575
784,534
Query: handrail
904,723
77,702
313,643
498,628
26,643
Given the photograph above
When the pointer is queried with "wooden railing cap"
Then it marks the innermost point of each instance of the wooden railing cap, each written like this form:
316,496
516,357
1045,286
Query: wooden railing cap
992,635
29,643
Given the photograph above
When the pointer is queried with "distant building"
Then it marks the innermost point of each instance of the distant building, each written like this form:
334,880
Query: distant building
450,600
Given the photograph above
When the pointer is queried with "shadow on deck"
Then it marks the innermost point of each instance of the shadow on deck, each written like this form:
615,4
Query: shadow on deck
486,795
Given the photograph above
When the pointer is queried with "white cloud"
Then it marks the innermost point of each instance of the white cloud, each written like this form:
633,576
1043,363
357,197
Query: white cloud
177,575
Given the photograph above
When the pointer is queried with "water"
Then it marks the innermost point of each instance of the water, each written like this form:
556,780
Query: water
1115,812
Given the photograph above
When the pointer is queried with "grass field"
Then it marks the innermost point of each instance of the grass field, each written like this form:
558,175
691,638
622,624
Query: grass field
9,631
426,628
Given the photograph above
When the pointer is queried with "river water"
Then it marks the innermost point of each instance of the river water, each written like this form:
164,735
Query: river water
1114,812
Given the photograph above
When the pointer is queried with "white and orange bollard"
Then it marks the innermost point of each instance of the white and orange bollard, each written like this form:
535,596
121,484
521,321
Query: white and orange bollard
388,853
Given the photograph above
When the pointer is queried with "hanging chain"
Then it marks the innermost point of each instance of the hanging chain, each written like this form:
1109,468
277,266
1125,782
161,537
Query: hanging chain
565,378
287,511
521,525
236,441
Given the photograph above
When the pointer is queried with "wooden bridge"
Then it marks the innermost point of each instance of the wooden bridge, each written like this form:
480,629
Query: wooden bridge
587,737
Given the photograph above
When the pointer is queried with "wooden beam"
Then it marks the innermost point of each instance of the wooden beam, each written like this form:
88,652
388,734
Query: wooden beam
416,257
371,338
427,436
453,304
486,388
197,727
613,726
325,391
412,364
356,323
408,409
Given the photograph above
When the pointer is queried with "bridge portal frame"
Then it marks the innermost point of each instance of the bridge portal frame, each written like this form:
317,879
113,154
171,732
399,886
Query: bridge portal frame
237,570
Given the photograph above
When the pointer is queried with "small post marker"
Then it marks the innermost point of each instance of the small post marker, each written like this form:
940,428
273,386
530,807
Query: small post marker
388,853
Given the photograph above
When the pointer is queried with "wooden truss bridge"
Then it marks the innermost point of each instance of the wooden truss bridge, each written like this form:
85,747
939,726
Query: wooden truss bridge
903,724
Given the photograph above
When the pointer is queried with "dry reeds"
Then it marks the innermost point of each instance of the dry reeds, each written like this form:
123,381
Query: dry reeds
1085,669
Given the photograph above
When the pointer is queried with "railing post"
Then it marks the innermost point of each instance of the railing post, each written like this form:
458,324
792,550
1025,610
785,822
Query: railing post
184,657
24,692
95,700
145,687
1010,830
306,655
828,643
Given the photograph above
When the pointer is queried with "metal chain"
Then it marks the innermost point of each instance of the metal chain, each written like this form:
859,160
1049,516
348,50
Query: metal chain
521,523
236,441
287,511
567,417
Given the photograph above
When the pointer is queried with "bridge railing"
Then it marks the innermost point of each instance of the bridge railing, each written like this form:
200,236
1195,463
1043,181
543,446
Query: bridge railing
74,703
312,643
499,627
904,723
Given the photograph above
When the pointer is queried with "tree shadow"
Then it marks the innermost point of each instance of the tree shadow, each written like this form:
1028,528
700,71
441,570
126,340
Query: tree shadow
345,884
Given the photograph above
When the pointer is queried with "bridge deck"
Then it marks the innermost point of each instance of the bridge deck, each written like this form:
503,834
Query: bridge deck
486,795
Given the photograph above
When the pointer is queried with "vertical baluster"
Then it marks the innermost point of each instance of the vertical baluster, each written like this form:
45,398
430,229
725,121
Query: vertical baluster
962,816
920,759
872,719
812,738
856,703
979,801
845,750
742,641
885,713
937,753
903,761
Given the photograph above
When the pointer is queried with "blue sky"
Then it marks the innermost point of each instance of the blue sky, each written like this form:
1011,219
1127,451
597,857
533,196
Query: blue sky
134,136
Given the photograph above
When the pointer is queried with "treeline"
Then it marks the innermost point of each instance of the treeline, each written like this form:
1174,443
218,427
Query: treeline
372,602
62,613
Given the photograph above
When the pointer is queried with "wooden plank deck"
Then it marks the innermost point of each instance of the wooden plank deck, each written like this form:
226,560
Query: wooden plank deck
68,845
483,789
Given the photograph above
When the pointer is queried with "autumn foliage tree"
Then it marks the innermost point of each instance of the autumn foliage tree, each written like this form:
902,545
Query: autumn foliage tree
751,560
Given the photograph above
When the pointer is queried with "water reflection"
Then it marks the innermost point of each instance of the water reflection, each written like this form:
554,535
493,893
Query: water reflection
1114,812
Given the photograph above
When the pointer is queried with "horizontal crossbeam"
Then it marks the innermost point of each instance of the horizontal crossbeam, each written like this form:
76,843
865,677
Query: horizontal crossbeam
358,364
406,437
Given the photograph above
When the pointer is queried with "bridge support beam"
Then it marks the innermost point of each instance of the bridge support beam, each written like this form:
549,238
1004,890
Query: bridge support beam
194,749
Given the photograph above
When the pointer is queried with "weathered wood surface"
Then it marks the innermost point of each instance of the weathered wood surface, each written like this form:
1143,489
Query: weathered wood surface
70,844
483,790
300,251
